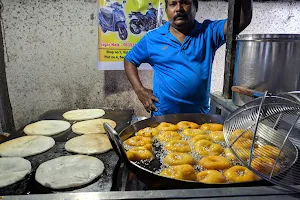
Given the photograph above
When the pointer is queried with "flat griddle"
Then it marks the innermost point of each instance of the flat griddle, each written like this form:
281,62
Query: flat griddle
110,158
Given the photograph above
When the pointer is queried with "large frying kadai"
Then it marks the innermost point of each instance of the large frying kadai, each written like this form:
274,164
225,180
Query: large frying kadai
273,120
146,172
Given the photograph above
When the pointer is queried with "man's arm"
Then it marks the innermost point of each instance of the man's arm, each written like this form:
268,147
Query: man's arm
145,95
245,17
134,58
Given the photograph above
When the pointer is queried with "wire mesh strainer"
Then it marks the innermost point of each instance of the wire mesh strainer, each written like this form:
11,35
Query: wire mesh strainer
258,134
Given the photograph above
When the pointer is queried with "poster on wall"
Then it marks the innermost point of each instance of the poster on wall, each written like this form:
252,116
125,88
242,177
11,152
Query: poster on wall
121,24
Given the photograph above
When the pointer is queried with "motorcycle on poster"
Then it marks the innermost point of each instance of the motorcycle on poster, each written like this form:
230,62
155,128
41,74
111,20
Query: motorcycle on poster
121,24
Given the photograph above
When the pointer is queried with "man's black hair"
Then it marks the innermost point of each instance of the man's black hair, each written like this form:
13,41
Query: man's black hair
195,2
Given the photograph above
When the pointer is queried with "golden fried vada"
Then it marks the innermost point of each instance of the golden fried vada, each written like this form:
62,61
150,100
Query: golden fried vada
139,153
200,137
193,132
165,126
239,174
243,154
175,158
217,136
211,177
166,136
138,141
147,132
206,147
178,146
212,127
243,143
181,172
268,151
265,165
248,134
215,162
148,146
187,124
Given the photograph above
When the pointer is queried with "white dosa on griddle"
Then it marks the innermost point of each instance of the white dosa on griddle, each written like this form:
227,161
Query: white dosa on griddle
92,126
26,146
89,144
69,171
47,127
13,170
83,114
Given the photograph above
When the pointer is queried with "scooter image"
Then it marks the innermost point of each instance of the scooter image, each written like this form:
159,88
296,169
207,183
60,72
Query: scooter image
140,22
160,15
112,18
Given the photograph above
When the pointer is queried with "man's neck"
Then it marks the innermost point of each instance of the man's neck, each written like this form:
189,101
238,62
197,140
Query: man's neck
181,33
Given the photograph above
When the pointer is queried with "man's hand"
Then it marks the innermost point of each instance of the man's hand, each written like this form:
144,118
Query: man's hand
145,95
245,16
147,98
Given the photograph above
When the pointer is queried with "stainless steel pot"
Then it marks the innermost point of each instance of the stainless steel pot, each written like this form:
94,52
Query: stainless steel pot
267,62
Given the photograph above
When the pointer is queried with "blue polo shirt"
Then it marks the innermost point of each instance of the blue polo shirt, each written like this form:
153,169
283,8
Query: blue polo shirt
182,71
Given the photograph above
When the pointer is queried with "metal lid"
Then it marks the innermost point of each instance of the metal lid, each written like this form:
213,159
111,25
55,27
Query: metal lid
268,37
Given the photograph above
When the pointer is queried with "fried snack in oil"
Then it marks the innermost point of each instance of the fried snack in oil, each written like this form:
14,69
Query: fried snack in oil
175,158
265,165
147,132
200,137
193,132
166,136
239,174
181,172
138,141
178,146
187,124
217,136
139,153
212,127
215,162
268,151
165,126
206,147
210,177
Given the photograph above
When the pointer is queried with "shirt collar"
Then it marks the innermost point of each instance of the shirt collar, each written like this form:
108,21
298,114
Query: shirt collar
165,28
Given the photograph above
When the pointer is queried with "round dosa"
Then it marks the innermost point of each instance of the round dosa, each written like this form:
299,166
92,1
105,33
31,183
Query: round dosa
69,171
83,114
93,126
26,146
47,127
89,144
13,170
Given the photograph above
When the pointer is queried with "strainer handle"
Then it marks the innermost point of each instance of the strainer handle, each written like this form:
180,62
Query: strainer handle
118,147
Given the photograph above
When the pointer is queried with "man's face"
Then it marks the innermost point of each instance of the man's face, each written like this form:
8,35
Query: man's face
181,13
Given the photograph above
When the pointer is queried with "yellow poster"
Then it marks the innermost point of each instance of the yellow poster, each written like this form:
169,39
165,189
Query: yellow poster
121,24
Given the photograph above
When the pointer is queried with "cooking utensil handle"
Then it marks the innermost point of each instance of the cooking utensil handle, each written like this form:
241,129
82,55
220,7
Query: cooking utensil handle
115,138
247,91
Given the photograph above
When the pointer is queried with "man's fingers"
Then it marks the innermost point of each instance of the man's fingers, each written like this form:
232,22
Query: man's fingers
153,107
155,99
147,105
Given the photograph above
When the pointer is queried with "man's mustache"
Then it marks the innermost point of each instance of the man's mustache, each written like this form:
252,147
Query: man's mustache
180,15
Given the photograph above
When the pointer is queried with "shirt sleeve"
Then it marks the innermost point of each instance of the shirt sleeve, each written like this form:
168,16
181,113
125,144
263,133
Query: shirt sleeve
139,53
218,35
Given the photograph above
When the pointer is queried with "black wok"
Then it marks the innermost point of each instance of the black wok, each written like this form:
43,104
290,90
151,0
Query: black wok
146,174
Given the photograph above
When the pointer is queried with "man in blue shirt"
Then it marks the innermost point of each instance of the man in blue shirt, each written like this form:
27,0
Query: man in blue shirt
181,53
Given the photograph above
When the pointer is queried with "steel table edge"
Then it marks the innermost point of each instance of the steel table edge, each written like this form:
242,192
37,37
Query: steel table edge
160,194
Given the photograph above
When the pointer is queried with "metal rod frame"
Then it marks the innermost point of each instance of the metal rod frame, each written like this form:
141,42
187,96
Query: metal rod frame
234,11
6,114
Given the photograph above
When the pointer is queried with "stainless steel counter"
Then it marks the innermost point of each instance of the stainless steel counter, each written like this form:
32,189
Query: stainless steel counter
212,193
220,105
